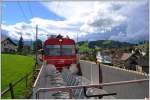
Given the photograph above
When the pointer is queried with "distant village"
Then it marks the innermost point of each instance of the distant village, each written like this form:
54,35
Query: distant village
131,58
10,46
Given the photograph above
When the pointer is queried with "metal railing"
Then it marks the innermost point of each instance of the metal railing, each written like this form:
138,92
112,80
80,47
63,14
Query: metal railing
40,79
70,88
14,84
90,70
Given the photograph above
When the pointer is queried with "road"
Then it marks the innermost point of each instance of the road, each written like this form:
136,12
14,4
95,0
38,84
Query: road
127,91
113,74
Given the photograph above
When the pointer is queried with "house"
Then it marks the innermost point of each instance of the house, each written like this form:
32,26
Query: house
116,59
8,46
129,60
135,61
143,65
125,56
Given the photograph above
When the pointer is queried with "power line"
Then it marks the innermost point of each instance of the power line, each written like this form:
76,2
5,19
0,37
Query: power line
30,10
29,6
25,17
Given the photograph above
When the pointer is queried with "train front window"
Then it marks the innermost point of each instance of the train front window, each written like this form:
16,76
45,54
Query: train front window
52,50
68,50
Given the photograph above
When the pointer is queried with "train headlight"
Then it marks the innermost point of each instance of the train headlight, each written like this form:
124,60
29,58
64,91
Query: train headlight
60,40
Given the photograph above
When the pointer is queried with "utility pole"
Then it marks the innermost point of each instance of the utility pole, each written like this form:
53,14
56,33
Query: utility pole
31,45
78,55
36,54
77,37
100,74
36,62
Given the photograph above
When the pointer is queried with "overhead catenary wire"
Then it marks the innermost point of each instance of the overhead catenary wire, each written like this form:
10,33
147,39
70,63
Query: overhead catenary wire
24,15
30,10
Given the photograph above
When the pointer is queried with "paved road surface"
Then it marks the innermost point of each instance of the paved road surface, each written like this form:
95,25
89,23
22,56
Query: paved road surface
90,70
128,91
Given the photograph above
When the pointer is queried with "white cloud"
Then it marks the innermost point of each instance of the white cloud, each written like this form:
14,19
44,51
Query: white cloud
45,28
93,16
137,23
17,29
83,17
101,17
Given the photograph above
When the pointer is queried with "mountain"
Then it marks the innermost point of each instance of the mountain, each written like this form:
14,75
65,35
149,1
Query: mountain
28,43
106,44
4,35
91,44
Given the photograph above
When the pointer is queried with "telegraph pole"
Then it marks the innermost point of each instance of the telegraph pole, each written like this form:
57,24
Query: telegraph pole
36,54
77,37
31,45
36,62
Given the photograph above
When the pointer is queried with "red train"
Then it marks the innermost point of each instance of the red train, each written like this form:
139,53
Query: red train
61,52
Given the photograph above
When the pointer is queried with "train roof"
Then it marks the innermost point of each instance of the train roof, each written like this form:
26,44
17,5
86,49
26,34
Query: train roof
52,41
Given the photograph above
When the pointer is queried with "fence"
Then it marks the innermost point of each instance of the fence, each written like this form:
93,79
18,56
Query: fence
40,79
90,70
12,85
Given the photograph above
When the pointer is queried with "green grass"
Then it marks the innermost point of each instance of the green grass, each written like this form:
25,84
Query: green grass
84,47
143,46
13,68
107,42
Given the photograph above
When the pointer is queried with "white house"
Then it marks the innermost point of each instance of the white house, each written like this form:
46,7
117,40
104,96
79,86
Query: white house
8,46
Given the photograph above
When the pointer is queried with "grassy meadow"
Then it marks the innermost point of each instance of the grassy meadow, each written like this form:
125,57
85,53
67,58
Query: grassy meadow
13,67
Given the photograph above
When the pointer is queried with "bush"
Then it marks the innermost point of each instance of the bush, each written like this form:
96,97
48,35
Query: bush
92,58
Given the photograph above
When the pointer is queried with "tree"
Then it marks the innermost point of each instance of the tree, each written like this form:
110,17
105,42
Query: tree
20,45
84,47
37,44
98,48
147,51
26,50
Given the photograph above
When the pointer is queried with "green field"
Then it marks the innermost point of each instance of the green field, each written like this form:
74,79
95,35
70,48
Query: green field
13,67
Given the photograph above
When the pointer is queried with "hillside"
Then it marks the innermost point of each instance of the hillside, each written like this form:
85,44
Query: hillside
106,44
143,46
28,43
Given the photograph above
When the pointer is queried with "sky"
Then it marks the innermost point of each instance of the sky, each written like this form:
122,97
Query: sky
125,21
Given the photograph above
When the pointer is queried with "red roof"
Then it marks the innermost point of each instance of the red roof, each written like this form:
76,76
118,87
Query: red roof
125,56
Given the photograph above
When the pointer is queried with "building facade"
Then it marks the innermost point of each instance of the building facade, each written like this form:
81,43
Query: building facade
8,46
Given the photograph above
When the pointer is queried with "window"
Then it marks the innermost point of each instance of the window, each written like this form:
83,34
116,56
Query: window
52,50
68,50
57,50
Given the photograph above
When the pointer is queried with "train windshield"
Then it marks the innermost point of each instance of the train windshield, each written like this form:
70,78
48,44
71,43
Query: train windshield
52,50
59,50
68,50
